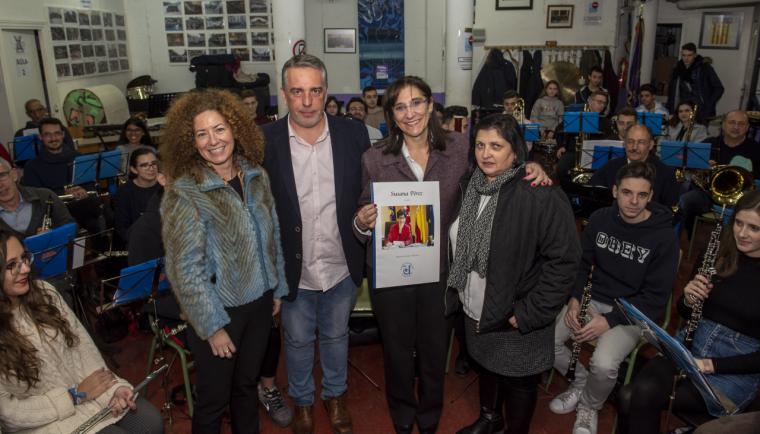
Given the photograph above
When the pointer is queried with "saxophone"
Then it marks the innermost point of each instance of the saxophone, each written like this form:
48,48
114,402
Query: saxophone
47,219
707,269
583,318
681,171
105,412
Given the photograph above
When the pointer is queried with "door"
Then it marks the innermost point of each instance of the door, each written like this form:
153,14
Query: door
22,75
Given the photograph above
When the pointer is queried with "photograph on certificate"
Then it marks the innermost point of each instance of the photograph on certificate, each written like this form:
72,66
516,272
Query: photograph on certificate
406,234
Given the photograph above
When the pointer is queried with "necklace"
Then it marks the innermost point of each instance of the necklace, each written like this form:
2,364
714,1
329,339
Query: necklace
238,175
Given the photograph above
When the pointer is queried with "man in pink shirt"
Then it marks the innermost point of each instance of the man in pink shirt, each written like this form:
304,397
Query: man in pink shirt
314,163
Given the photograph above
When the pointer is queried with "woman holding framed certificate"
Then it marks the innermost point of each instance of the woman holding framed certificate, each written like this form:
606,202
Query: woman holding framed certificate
411,317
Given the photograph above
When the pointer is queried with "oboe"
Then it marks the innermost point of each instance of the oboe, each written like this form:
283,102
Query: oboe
707,269
583,320
104,413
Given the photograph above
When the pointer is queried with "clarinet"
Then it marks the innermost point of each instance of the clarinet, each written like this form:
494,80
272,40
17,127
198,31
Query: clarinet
707,269
583,320
105,412
47,219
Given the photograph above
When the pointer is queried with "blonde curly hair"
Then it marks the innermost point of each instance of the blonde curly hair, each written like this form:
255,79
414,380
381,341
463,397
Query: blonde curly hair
178,152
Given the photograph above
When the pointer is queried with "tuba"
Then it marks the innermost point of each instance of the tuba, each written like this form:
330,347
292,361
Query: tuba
726,184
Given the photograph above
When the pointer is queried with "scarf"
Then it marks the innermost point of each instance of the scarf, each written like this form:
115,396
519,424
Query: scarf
474,233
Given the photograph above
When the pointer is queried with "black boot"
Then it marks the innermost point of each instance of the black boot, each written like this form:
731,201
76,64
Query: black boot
489,422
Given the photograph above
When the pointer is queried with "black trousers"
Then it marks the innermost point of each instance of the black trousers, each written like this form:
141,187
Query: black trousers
412,323
272,354
221,382
518,394
642,401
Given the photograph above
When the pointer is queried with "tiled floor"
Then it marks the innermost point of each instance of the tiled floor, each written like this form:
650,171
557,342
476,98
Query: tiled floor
367,404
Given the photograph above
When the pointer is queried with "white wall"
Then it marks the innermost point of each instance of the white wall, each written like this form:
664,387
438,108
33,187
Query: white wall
30,12
731,65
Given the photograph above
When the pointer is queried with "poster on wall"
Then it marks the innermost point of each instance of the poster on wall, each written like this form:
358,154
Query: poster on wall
77,37
592,14
720,30
197,27
381,42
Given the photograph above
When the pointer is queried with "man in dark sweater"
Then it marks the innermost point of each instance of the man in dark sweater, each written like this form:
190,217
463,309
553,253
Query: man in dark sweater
638,146
634,254
732,147
51,169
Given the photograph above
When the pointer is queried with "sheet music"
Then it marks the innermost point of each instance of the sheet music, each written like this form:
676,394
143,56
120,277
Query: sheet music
587,156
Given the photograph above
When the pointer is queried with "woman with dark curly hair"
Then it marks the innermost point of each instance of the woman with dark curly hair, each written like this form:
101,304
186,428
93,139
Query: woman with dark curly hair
223,253
52,378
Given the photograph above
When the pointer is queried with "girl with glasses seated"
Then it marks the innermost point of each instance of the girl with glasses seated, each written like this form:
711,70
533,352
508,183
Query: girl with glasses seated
52,378
133,197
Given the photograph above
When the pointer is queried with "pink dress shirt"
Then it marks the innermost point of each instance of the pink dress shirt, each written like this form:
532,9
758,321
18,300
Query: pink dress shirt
324,262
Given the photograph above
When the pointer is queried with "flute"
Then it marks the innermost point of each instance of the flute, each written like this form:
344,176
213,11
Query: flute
104,413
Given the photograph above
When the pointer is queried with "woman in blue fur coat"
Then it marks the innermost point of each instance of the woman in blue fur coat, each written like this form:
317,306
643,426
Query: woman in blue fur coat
223,253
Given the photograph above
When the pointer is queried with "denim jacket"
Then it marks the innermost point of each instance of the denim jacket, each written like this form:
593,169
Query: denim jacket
221,252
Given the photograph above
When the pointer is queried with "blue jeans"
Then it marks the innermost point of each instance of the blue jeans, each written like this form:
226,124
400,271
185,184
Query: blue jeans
328,313
712,340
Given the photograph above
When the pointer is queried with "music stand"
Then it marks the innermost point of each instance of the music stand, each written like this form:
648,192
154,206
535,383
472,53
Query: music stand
84,169
686,155
674,350
137,282
582,122
51,250
531,131
653,121
24,147
110,164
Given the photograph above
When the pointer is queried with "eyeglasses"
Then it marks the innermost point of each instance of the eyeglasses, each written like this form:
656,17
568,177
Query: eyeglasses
14,267
417,105
640,142
146,165
134,130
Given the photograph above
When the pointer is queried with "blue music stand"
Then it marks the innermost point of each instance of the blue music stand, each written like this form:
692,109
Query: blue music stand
110,164
653,121
689,155
51,250
678,354
603,154
25,147
582,122
139,282
531,132
84,169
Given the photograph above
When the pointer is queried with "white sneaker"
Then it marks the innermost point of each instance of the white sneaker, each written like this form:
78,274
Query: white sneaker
585,421
566,401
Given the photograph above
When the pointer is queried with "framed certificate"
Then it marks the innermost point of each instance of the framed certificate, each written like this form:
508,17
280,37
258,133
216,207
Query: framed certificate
407,233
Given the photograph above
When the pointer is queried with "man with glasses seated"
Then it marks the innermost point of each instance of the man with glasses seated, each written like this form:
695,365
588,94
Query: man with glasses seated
51,169
638,143
23,209
733,147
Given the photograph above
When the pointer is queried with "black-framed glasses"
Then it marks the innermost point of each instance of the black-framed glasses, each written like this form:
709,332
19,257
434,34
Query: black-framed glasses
14,267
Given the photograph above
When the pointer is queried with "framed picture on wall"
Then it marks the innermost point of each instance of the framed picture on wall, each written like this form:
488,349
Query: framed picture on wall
721,30
513,4
559,16
340,40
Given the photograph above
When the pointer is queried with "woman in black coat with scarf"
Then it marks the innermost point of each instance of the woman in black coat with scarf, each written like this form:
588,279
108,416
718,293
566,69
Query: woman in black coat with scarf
515,253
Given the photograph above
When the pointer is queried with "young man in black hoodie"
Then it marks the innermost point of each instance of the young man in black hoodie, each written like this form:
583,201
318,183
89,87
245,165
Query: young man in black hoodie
694,79
51,169
634,251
